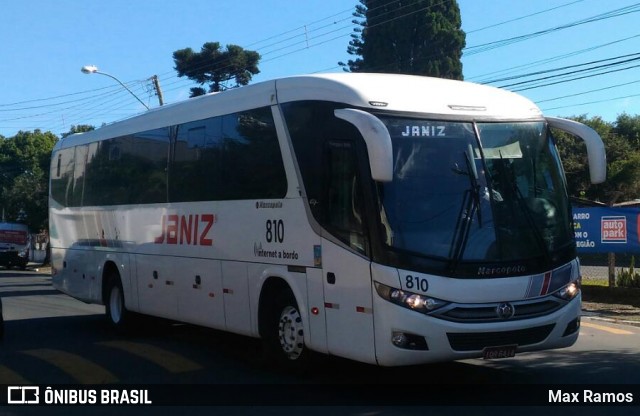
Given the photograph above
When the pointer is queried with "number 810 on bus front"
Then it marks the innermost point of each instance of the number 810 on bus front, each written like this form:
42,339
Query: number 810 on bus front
414,283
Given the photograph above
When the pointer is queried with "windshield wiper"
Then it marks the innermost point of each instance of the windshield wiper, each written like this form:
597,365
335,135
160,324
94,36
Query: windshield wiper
470,206
473,179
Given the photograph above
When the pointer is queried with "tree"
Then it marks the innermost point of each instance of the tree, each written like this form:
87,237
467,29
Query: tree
419,37
623,162
80,128
628,127
216,67
24,176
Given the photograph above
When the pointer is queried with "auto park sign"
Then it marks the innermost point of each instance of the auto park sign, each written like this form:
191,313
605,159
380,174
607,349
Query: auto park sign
607,230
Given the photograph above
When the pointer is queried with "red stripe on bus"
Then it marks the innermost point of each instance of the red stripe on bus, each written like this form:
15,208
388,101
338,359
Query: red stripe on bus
545,284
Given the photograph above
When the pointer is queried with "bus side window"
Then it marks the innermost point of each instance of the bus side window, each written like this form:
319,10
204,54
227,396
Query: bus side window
62,177
343,207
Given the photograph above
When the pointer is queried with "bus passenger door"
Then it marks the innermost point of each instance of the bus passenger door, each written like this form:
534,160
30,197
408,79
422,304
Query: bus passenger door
346,268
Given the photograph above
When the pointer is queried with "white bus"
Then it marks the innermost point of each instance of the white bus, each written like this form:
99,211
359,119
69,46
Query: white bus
388,219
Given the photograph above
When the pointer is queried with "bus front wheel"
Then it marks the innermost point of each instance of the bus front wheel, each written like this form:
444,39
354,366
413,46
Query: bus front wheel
284,334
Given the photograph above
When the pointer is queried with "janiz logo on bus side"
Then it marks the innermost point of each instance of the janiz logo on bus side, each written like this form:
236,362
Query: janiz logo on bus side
187,229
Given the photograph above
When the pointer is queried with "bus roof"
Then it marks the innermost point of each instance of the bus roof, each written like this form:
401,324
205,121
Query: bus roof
409,93
393,92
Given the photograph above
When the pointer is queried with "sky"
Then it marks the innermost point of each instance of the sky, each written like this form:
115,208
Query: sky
45,43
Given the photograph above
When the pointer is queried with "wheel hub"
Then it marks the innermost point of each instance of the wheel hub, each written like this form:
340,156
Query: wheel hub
291,333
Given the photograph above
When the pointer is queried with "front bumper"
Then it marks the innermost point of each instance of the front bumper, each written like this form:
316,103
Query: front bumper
447,341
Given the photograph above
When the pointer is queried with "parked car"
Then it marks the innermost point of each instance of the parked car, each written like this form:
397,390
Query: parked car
14,245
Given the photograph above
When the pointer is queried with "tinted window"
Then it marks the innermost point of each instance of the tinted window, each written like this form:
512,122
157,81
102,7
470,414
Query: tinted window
325,148
195,171
128,170
343,211
307,123
236,156
81,153
62,176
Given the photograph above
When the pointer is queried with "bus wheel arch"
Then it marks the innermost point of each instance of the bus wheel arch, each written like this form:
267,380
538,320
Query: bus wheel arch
281,326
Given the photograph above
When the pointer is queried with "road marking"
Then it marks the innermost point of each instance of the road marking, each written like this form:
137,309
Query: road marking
8,376
168,360
81,369
606,328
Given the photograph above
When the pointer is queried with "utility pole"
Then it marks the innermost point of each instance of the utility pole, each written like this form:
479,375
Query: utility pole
156,85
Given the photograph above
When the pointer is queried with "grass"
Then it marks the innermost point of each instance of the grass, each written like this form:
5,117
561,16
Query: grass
588,281
602,293
598,290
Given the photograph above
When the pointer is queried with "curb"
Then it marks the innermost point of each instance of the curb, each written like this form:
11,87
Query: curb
594,316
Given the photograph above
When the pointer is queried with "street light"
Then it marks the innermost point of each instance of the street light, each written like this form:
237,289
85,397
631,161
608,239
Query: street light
92,69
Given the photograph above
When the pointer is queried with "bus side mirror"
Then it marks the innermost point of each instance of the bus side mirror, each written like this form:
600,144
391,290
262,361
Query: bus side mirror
376,136
595,147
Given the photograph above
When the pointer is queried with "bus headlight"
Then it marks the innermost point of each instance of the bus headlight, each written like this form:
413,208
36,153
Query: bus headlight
569,291
23,253
409,300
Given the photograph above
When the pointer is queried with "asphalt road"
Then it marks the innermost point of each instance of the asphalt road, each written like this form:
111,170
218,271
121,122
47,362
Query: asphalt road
53,339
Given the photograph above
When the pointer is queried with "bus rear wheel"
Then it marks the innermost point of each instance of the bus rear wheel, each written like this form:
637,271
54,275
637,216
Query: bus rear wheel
283,337
116,311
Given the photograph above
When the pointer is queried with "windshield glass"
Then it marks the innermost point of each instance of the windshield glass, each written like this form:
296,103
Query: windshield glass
491,196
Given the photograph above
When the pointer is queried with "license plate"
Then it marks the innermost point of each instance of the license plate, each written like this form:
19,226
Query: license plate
503,351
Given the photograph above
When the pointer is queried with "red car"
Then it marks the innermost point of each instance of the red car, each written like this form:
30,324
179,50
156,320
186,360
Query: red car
14,245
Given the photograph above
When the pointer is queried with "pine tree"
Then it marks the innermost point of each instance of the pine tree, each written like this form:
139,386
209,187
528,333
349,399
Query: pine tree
216,67
420,37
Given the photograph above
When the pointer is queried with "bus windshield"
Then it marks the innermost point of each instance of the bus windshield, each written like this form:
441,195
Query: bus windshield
475,192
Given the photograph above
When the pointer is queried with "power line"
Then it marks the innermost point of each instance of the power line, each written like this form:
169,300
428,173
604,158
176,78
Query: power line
523,17
593,102
273,44
549,60
559,69
566,74
577,78
472,50
293,42
305,41
588,92
296,29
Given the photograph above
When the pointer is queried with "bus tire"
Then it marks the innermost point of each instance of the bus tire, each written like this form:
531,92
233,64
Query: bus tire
283,336
117,314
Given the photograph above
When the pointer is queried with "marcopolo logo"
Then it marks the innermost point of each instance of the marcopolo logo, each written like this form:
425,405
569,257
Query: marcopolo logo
614,229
